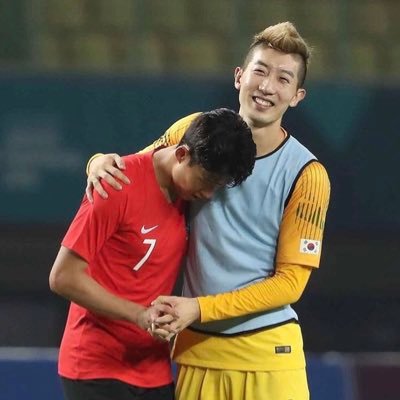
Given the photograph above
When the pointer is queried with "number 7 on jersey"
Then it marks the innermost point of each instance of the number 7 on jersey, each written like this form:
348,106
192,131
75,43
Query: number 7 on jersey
152,244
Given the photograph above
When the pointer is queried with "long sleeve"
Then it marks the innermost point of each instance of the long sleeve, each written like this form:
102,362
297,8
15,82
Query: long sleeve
285,287
173,134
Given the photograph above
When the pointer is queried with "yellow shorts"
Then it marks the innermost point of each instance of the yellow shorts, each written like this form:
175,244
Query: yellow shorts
196,383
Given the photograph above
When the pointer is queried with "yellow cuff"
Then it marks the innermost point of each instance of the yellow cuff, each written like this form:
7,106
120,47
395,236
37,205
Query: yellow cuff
90,160
204,304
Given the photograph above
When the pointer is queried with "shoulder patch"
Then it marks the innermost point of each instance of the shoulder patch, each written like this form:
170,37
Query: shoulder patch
308,246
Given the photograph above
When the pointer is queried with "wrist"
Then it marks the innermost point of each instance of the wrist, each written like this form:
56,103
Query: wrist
90,161
197,308
133,313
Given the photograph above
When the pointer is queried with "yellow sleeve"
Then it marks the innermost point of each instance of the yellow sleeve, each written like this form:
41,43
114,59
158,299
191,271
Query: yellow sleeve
173,134
285,287
303,220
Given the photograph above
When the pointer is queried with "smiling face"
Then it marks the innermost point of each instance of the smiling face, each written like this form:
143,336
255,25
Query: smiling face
268,85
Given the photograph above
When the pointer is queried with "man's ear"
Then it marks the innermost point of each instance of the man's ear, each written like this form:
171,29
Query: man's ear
237,77
182,153
299,96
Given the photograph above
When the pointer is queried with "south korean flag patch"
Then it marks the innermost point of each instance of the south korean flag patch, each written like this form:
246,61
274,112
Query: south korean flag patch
308,246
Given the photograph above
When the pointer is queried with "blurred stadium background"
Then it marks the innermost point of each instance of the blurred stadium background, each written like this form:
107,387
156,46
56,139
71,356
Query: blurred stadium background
82,76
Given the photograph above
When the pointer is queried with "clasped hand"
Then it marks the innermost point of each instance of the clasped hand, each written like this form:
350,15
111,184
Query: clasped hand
184,312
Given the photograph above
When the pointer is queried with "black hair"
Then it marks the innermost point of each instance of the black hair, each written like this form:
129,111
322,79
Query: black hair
221,142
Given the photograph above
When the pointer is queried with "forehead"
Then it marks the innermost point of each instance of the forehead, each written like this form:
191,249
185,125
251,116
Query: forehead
275,59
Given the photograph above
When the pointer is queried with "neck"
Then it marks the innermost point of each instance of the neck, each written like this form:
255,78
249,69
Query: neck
163,161
267,138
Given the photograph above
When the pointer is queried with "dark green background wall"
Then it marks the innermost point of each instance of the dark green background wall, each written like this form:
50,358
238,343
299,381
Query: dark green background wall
50,125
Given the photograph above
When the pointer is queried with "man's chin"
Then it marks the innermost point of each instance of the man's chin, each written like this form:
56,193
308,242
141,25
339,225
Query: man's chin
258,118
258,122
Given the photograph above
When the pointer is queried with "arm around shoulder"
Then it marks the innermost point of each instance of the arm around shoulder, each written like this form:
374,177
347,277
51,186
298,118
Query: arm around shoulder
173,134
108,167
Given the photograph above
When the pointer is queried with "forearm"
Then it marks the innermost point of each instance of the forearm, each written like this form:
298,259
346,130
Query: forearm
69,279
285,287
86,292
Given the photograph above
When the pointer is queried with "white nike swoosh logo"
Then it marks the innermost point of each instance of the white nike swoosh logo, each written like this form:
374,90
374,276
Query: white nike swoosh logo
144,230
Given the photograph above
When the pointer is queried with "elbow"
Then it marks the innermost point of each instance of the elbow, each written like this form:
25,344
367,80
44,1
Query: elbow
292,283
66,273
295,298
296,294
57,283
54,282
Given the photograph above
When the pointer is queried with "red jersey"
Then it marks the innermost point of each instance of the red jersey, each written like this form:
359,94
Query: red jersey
134,243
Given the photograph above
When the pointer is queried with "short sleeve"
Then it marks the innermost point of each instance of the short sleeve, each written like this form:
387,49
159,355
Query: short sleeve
96,222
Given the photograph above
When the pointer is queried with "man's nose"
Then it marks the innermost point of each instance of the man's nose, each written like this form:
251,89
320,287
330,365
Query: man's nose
267,85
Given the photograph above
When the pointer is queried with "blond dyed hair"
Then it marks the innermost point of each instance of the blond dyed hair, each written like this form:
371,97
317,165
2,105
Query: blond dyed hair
285,38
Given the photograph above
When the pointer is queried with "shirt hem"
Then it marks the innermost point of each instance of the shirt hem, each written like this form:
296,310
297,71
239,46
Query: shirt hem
133,382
